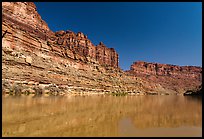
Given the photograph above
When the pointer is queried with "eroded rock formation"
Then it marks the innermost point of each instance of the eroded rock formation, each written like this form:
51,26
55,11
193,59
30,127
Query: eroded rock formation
177,78
78,46
38,60
35,59
24,16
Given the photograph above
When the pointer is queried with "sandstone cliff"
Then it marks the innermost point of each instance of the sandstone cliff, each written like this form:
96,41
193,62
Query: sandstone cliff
40,61
172,77
37,60
79,47
24,17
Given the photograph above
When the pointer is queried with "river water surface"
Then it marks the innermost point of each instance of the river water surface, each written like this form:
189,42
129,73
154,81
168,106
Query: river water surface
139,116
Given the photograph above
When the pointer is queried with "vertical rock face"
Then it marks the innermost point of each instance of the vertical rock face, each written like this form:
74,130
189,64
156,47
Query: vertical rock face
105,55
80,44
171,76
33,56
24,16
146,68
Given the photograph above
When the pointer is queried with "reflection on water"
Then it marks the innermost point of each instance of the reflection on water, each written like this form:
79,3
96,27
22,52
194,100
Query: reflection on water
127,128
102,116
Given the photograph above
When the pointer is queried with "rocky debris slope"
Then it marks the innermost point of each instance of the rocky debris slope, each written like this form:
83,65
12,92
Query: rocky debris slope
170,77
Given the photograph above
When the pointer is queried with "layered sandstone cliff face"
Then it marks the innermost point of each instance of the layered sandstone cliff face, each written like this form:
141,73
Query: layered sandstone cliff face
78,46
176,78
35,59
67,44
24,16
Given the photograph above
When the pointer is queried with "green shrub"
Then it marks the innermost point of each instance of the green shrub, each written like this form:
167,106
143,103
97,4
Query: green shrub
38,90
119,93
53,90
16,90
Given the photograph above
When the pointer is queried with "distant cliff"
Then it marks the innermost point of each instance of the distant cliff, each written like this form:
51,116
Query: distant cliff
177,78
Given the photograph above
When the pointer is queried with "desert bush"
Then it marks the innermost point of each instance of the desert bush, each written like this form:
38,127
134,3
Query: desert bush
27,92
119,93
38,90
16,90
54,90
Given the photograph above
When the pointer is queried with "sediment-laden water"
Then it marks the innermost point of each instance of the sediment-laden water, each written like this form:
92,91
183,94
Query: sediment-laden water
170,115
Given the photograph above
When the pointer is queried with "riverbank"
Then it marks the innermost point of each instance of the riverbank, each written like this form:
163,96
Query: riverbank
70,94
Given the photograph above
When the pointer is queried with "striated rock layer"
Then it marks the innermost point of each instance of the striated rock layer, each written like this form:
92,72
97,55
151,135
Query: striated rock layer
78,46
66,44
35,59
38,60
172,77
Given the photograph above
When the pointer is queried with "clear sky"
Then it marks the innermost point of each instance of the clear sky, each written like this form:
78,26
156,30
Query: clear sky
162,32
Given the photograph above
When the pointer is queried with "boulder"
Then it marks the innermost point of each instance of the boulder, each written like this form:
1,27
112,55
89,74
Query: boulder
28,60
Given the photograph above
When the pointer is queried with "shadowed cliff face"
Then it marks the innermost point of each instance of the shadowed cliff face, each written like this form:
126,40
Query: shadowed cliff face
177,78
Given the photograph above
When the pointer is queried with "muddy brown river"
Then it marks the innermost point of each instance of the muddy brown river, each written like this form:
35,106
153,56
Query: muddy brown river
104,116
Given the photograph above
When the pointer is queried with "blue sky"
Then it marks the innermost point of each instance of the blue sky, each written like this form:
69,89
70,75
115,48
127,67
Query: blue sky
163,32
